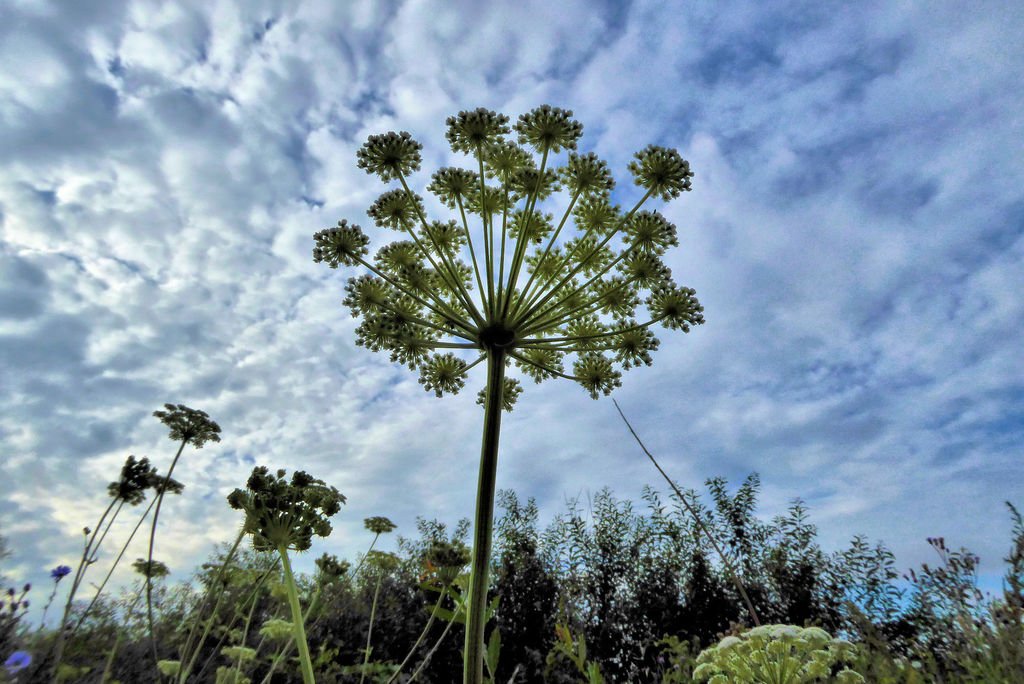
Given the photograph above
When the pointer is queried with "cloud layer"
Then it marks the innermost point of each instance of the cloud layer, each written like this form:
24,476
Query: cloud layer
854,234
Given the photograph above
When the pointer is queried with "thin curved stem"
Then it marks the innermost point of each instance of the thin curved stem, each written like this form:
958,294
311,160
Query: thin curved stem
445,311
437,644
725,560
149,558
527,295
369,629
187,667
110,572
423,634
488,226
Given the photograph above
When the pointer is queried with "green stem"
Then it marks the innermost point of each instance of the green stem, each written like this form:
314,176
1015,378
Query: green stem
532,308
369,630
522,241
423,634
473,663
433,649
297,618
79,576
110,572
149,558
526,294
456,283
186,653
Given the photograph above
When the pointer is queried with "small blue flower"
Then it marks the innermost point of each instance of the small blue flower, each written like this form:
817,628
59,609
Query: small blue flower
60,572
17,661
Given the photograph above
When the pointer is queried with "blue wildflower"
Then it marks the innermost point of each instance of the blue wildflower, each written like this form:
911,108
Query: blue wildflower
17,661
60,572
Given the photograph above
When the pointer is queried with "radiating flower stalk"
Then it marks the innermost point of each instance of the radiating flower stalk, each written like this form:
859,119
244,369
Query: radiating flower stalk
283,516
137,476
191,427
535,292
383,563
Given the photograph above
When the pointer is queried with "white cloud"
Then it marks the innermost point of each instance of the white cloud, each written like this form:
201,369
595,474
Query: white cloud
853,232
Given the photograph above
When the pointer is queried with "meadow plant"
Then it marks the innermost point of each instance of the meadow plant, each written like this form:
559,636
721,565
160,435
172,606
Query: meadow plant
283,516
546,296
136,477
776,654
191,426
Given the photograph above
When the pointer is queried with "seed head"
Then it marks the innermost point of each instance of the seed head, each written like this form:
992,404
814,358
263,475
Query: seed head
342,245
396,209
558,296
331,568
390,156
443,373
151,570
662,171
586,174
378,525
136,478
469,131
189,425
549,129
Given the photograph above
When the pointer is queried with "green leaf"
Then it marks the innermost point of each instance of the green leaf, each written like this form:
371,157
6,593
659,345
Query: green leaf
493,651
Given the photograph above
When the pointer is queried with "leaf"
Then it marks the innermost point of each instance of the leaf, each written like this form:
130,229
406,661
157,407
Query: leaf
493,651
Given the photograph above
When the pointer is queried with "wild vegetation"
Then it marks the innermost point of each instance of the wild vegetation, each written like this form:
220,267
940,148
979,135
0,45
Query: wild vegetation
678,591
608,592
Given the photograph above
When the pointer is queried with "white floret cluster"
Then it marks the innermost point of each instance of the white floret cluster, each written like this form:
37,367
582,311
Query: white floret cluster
785,654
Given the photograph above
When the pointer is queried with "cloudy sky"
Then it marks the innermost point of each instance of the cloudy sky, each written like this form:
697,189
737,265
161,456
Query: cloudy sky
854,234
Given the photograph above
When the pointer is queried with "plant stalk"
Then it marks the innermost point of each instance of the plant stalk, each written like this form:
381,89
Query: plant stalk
297,618
473,659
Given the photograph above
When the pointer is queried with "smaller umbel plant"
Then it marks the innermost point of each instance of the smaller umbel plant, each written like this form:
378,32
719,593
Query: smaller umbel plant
777,654
283,516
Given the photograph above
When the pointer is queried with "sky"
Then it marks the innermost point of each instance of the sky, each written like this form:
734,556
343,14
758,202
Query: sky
854,233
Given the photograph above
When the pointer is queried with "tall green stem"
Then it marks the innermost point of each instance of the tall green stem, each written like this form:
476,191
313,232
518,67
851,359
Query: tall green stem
297,618
473,662
149,558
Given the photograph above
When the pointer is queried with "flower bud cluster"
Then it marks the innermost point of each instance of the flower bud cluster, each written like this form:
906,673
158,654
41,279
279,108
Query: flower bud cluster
281,514
776,653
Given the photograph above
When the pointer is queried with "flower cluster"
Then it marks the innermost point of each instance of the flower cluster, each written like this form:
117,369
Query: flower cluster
331,568
189,425
557,295
136,477
776,653
378,524
281,514
446,560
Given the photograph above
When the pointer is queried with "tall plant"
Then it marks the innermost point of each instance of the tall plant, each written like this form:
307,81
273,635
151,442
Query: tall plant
545,294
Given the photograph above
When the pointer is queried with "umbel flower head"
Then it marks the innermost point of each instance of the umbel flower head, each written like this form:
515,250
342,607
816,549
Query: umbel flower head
136,478
574,293
189,425
151,569
776,653
282,514
378,524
